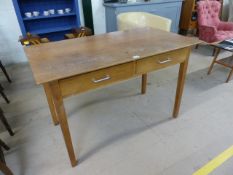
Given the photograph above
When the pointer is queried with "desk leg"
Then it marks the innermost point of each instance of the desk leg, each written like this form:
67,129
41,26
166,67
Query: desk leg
144,82
180,85
58,102
51,104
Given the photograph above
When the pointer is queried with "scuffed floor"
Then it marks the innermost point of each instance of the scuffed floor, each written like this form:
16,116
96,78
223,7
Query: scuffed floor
117,131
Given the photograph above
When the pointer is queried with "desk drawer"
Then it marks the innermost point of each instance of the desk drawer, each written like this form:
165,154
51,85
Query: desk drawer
161,61
95,79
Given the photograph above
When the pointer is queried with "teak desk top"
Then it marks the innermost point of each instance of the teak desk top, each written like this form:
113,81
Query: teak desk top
58,60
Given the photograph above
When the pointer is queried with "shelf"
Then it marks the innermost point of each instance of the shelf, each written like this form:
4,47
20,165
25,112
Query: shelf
55,29
50,16
53,26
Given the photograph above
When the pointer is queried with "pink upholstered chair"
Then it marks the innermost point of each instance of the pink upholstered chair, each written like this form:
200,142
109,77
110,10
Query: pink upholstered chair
211,29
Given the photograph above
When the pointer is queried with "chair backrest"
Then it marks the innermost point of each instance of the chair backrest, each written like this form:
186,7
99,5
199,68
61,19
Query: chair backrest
208,13
81,32
30,39
132,20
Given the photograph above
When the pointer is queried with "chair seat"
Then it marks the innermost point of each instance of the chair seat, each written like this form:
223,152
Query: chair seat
223,35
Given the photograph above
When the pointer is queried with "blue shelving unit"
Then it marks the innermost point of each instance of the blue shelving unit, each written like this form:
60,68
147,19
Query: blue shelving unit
53,26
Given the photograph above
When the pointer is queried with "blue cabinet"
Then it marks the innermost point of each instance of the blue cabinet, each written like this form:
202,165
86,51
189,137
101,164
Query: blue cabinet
53,26
167,8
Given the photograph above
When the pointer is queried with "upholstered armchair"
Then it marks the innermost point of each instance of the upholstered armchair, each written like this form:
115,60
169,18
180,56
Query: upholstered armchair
211,29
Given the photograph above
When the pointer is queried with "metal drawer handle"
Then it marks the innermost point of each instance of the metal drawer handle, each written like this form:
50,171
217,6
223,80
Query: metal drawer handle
165,61
107,77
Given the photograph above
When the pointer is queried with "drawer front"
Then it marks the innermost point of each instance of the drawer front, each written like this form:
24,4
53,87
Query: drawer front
95,79
161,61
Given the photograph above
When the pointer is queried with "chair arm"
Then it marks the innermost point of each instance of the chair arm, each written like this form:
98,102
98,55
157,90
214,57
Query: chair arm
206,33
225,25
209,29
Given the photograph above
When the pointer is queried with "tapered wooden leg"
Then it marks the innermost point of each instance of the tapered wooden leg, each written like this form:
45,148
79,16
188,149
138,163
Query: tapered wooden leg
180,85
58,102
51,104
214,51
4,169
229,76
144,82
215,58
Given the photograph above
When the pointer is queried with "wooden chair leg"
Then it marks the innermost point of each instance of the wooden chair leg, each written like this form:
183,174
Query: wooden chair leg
3,145
215,58
196,47
4,95
144,82
5,72
5,123
214,51
2,157
5,170
229,76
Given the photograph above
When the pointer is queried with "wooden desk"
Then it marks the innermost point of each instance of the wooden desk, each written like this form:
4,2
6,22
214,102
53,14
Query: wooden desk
73,66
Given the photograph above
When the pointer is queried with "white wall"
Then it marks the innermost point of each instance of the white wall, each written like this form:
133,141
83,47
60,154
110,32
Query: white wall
98,16
10,49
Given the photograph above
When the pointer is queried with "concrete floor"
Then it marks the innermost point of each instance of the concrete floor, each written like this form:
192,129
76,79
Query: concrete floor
117,131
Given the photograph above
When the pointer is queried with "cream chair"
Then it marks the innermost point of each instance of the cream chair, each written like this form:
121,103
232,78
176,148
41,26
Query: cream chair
131,20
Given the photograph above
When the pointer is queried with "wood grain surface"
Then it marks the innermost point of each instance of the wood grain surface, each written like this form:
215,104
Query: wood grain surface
58,60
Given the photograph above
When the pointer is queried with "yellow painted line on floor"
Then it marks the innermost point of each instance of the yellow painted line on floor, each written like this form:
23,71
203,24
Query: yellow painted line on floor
215,163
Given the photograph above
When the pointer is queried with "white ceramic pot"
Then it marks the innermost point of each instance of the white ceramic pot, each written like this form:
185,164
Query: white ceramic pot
36,13
67,10
46,13
52,11
28,14
60,12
